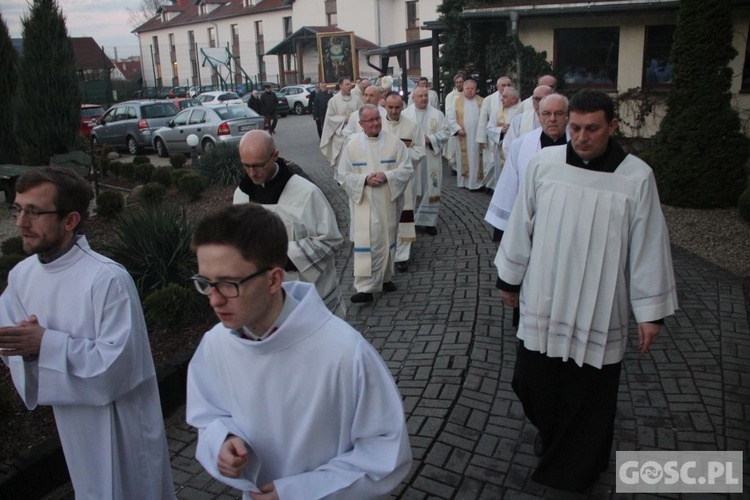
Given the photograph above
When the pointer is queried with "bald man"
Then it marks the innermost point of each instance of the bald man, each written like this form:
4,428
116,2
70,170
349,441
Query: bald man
308,217
464,120
525,122
372,95
547,80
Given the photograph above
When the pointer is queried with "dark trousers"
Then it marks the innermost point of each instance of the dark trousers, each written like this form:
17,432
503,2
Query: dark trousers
574,409
319,124
272,119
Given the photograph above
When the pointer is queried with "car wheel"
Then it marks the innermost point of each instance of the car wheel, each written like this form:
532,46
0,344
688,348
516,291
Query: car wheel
208,145
161,148
132,145
299,109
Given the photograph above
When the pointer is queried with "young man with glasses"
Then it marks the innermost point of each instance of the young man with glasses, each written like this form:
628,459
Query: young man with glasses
74,337
289,400
310,221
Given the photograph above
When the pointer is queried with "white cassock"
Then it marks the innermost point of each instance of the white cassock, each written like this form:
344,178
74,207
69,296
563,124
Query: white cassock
314,401
492,119
408,131
428,176
521,152
95,370
332,140
375,211
432,99
313,237
522,123
593,234
465,114
449,151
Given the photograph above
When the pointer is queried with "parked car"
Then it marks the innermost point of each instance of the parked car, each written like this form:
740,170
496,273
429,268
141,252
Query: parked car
178,92
131,124
261,86
211,124
410,84
147,93
197,90
186,103
90,114
218,98
298,97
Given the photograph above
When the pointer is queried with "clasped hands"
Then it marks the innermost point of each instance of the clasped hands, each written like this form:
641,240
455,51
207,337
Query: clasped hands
233,458
22,339
376,179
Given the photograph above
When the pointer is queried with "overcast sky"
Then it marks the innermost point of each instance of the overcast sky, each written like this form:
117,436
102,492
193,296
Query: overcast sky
106,21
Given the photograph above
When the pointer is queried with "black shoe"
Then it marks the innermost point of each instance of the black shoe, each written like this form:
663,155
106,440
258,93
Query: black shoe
431,230
389,287
538,445
454,173
401,266
361,298
497,235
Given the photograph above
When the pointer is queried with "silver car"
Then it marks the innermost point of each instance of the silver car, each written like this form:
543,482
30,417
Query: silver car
211,124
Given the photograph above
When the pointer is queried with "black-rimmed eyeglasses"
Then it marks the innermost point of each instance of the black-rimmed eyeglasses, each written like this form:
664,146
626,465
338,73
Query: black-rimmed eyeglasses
227,289
33,214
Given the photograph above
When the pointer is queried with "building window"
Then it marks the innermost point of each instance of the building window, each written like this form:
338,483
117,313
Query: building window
657,68
588,56
412,18
235,31
415,60
211,37
260,49
746,70
287,26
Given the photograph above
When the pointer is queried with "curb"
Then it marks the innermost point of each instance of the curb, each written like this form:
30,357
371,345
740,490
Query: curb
21,477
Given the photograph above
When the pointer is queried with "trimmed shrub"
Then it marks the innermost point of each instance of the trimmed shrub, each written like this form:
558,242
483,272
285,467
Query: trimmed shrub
8,262
153,194
109,203
177,174
139,159
221,165
170,307
127,170
744,205
154,246
177,160
12,245
192,185
115,167
162,175
143,171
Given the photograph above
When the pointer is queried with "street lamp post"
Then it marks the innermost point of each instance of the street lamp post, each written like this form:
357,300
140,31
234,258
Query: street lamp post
192,141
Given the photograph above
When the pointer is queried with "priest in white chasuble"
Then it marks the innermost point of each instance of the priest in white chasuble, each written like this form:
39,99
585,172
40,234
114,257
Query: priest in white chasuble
464,120
374,170
340,109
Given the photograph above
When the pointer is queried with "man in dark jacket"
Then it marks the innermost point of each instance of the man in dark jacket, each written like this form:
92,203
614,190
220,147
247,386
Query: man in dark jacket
268,103
254,103
320,106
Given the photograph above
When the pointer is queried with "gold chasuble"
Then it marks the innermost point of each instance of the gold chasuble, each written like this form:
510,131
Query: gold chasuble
459,104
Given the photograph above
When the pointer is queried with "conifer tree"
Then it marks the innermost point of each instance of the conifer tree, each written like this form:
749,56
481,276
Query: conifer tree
8,79
699,153
49,104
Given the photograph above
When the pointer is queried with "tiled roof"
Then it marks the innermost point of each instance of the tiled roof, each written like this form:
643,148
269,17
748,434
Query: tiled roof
89,55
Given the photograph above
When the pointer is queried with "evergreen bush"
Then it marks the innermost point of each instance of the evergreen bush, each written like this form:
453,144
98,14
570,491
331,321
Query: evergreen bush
8,87
153,194
127,170
162,175
221,165
177,160
177,174
744,205
192,185
109,204
138,159
142,172
153,243
115,168
169,308
12,245
699,154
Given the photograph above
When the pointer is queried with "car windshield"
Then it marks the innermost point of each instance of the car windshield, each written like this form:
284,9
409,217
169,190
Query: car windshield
230,112
91,112
160,110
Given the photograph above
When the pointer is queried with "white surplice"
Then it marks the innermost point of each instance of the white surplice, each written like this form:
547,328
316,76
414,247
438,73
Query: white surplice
521,152
600,247
314,401
313,237
375,211
340,109
95,369
408,131
470,176
521,124
449,151
428,177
